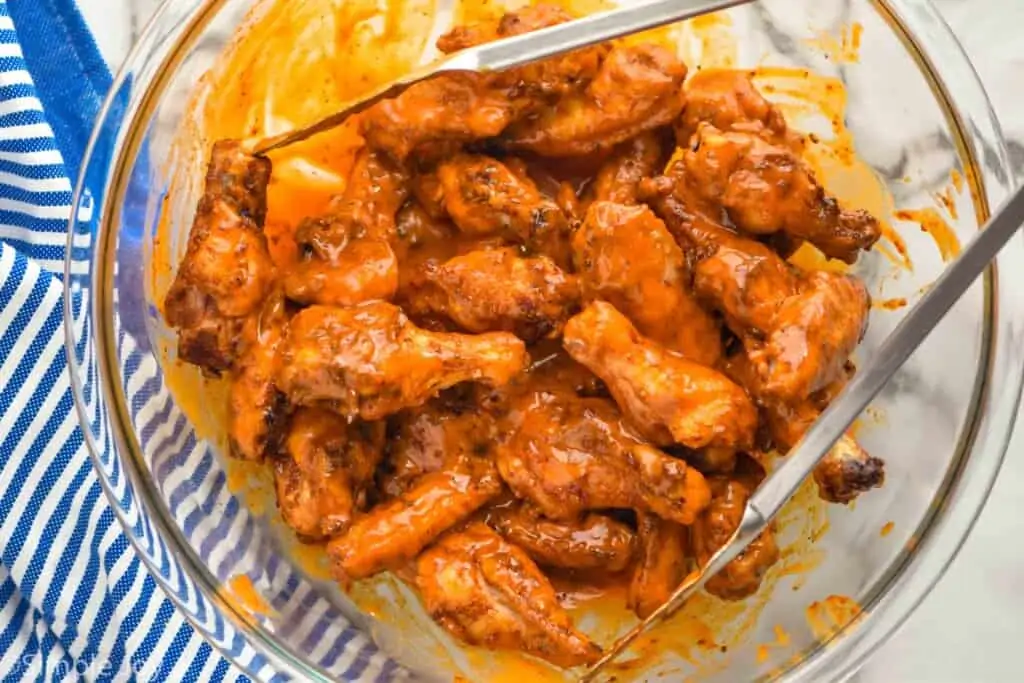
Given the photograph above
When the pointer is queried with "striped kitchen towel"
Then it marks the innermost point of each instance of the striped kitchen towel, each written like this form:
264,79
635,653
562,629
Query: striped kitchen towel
75,602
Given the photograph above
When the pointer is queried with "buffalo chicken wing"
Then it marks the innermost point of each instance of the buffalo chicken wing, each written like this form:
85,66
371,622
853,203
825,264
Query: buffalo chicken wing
626,256
370,361
497,290
667,397
226,272
394,532
569,455
323,474
741,577
593,542
488,592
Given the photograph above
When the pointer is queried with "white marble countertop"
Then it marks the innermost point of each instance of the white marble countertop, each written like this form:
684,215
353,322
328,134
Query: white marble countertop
969,629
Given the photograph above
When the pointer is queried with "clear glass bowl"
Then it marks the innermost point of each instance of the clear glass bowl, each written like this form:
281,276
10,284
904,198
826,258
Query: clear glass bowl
918,115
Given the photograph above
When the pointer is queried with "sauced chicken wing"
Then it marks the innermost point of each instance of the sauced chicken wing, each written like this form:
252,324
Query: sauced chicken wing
766,189
370,361
446,110
488,592
668,398
593,542
846,471
741,577
531,86
496,290
346,256
637,89
661,566
256,409
393,533
486,197
626,256
619,177
728,100
799,329
569,455
812,336
226,272
434,436
322,476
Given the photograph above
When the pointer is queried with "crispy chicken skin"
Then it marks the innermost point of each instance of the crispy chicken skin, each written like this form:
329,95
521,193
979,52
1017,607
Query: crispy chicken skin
393,533
766,188
485,197
487,592
741,577
619,177
668,398
847,470
226,272
534,85
593,542
496,290
369,361
346,255
728,100
256,409
436,435
568,455
661,564
637,89
323,473
624,255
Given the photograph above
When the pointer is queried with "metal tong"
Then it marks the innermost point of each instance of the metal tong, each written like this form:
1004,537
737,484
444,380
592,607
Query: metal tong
780,486
519,51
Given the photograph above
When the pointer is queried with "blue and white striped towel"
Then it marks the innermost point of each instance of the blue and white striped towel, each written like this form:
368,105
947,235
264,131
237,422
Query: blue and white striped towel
75,602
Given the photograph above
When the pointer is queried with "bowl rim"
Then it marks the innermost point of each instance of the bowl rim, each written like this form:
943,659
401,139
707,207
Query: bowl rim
923,32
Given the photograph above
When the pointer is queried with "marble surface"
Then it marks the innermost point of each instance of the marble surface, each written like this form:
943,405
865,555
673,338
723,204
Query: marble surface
969,629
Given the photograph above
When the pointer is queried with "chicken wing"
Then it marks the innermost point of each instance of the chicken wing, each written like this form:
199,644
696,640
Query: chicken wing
741,577
436,435
637,89
393,533
569,455
346,255
322,476
489,593
624,255
447,110
668,398
619,177
496,290
370,361
256,409
728,100
799,328
486,197
593,542
661,566
846,471
765,189
227,272
812,335
537,84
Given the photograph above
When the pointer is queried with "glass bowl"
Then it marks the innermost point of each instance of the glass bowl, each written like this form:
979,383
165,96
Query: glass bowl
923,126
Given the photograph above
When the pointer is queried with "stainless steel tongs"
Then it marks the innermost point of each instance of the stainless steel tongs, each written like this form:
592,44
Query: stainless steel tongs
519,51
